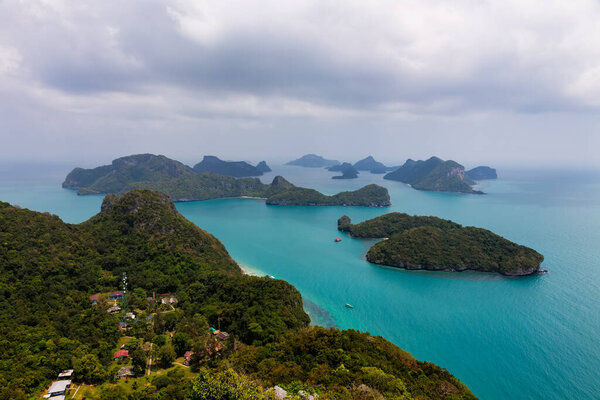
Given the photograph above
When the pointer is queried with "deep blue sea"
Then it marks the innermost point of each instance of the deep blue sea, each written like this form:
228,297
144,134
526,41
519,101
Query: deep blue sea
507,338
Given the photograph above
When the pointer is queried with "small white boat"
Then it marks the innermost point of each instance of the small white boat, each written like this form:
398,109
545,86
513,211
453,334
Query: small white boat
349,305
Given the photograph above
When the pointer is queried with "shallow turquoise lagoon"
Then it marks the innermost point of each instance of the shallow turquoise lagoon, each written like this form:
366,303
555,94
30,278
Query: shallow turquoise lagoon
518,338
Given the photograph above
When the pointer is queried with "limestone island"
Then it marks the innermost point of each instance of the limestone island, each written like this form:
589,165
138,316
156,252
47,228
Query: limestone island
237,169
371,165
435,244
313,161
182,183
435,175
482,173
347,170
67,306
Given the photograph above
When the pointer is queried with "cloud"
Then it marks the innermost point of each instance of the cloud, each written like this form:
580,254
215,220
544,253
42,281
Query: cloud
265,63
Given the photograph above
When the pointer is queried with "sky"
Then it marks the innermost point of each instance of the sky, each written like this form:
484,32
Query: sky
495,82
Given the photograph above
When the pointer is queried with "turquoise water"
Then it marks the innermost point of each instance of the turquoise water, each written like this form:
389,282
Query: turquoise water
506,338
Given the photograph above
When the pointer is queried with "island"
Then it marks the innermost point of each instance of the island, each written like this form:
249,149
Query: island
237,169
182,183
263,167
435,244
371,165
313,161
347,170
435,175
97,299
482,173
368,196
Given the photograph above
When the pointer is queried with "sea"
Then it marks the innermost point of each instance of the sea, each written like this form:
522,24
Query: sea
535,337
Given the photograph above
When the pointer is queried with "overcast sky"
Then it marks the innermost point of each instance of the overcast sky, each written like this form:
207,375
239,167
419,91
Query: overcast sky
495,82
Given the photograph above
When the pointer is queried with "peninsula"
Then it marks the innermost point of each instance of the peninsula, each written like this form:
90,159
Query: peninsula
435,175
63,312
435,244
159,173
313,161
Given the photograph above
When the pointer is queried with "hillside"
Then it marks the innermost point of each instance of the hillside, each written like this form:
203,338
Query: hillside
48,323
431,243
368,196
113,178
434,174
313,161
237,169
370,164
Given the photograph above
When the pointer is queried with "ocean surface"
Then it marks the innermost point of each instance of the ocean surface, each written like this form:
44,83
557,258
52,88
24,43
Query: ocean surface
533,337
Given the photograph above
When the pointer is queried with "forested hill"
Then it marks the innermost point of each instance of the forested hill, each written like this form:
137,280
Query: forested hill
48,270
432,243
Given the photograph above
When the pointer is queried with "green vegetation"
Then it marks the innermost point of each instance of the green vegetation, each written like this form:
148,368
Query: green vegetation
238,169
49,269
347,365
369,196
370,164
436,244
390,224
181,183
434,174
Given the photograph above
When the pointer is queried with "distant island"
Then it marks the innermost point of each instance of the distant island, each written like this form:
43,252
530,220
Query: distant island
182,183
263,167
313,161
66,310
347,170
435,244
482,173
371,165
237,169
435,175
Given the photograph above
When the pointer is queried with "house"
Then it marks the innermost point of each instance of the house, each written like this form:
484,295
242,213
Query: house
67,373
168,299
59,387
121,354
114,309
116,295
125,372
130,315
221,335
187,358
94,298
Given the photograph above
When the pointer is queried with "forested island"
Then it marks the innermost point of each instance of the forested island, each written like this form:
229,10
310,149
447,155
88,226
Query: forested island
60,309
371,165
431,243
482,173
237,169
434,174
182,183
347,170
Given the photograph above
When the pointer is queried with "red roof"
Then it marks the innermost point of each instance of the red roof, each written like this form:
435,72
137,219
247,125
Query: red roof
95,297
121,353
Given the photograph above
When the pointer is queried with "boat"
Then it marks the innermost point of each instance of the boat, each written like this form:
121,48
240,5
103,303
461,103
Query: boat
337,239
349,305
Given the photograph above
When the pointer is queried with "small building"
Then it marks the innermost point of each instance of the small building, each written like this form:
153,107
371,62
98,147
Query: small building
187,358
66,374
58,388
121,354
130,315
116,295
114,310
221,335
125,372
94,298
123,325
168,299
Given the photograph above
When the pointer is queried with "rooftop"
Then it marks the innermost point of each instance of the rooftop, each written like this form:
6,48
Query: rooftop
59,386
67,373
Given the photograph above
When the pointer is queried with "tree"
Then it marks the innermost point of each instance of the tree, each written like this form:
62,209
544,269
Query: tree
166,355
226,385
138,360
159,340
181,342
89,369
